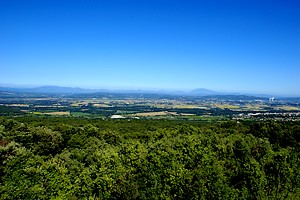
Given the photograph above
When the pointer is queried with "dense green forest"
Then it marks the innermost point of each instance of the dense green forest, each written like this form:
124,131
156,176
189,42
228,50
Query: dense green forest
78,158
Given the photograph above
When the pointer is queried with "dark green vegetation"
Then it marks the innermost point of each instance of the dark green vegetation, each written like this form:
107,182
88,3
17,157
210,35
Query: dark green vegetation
80,158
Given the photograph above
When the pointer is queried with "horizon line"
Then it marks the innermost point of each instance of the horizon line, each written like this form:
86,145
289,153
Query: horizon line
146,89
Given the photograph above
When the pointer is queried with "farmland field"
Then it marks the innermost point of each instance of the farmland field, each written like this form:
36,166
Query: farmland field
62,113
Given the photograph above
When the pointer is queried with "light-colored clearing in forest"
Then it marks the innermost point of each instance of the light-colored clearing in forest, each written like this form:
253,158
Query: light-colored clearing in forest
53,113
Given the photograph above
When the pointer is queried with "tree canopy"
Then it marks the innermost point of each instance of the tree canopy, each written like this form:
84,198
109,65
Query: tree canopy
65,158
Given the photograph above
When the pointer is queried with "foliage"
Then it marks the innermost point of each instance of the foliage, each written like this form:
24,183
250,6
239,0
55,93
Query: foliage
67,158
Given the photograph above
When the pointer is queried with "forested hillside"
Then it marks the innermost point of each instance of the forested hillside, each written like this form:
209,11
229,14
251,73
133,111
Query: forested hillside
72,158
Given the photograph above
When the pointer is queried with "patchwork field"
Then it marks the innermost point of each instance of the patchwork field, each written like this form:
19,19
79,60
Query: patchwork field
149,114
162,113
228,106
61,113
288,108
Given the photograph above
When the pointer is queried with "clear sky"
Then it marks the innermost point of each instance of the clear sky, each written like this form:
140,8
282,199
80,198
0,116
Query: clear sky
224,45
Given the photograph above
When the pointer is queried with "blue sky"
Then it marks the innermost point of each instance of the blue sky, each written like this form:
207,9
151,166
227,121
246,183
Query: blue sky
225,45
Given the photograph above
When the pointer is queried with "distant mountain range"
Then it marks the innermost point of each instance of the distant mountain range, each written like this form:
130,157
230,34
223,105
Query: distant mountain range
203,91
76,90
49,89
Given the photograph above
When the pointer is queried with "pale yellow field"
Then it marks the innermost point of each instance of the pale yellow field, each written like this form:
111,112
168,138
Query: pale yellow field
49,106
17,105
189,106
223,106
58,113
148,114
101,105
289,108
186,114
53,113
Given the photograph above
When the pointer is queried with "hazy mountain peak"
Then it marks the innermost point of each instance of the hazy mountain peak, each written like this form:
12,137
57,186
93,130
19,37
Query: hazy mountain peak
203,91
